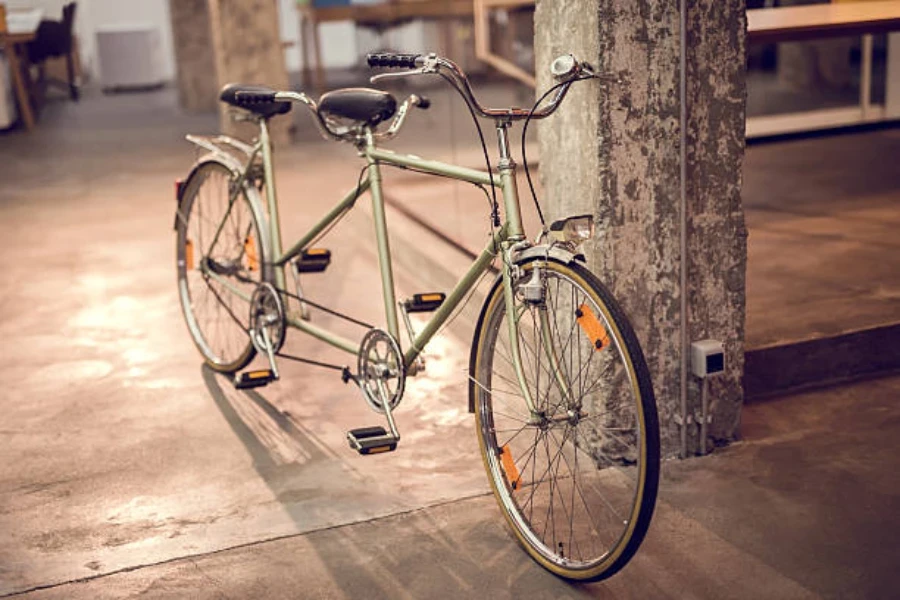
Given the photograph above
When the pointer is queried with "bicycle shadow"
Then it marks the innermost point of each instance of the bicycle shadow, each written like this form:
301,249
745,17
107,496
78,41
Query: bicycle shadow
271,437
391,556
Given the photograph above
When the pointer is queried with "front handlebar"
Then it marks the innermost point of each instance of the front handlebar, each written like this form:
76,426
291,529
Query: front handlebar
567,69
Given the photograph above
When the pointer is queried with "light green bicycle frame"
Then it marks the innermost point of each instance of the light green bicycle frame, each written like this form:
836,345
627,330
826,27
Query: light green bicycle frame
509,233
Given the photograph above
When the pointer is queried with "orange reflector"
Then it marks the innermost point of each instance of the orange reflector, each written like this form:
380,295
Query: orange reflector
592,327
509,467
379,449
189,255
316,251
258,374
430,297
250,251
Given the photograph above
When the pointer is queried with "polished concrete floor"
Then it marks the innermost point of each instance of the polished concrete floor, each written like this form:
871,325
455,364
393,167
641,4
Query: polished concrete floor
127,469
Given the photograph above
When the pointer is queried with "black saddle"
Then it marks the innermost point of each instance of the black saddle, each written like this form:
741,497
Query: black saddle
359,104
255,98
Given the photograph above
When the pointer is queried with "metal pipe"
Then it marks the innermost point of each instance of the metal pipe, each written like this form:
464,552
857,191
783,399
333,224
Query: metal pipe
682,89
381,240
274,220
704,399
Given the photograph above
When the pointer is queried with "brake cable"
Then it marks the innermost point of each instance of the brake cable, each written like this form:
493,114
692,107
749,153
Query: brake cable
525,131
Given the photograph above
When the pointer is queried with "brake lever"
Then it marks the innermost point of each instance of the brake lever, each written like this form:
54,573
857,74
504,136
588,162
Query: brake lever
382,76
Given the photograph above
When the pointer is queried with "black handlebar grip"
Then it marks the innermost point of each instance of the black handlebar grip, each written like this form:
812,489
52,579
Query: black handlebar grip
391,60
424,102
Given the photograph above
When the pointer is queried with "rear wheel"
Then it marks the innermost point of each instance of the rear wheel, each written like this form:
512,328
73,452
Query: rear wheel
220,257
576,476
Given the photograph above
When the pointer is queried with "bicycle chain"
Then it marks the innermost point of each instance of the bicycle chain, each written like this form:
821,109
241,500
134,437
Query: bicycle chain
326,309
346,375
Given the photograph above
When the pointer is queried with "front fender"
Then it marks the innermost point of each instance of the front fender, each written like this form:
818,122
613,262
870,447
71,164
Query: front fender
557,251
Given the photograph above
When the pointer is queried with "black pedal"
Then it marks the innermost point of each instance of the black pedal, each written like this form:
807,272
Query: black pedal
314,260
372,440
425,302
253,379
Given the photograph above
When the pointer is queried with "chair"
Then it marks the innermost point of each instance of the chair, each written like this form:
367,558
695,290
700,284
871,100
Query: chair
55,39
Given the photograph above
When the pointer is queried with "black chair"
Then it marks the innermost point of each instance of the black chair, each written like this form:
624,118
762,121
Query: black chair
54,39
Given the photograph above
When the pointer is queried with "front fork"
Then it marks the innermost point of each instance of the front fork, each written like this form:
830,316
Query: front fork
511,276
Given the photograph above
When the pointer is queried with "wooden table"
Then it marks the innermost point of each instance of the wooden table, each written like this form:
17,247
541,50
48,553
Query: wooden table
814,21
21,27
379,16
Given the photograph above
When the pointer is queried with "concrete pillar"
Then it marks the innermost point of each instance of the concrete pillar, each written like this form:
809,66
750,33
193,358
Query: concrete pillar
194,56
615,151
226,41
247,45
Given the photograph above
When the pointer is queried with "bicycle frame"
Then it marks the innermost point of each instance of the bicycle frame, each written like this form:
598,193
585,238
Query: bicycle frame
509,233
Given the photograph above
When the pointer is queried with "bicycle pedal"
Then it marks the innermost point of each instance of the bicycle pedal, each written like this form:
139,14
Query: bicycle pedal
372,440
254,379
424,302
314,260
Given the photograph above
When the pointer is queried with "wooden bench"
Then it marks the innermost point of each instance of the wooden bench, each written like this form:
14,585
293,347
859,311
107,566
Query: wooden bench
797,23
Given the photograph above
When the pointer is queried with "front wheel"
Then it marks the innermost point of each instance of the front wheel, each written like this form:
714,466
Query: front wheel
571,442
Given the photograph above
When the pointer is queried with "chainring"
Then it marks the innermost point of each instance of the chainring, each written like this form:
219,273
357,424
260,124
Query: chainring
381,370
267,312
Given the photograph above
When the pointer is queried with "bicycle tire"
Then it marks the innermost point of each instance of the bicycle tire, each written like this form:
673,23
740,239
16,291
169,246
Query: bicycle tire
623,482
216,319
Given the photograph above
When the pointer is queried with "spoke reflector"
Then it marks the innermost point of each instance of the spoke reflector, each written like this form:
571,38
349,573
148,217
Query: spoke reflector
250,251
592,327
509,467
189,255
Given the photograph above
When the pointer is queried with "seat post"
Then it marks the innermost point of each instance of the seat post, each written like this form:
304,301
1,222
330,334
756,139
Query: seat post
271,201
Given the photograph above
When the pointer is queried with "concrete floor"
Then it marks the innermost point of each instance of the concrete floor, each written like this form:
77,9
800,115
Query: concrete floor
126,469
